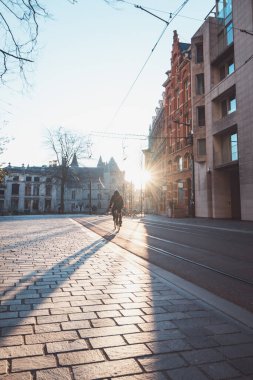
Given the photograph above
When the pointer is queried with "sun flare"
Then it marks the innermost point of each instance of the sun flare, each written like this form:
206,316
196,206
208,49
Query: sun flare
138,177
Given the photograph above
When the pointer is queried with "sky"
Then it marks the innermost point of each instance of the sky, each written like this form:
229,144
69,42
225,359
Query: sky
84,78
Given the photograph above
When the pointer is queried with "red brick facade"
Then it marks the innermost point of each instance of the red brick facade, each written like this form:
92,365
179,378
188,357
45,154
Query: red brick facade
174,194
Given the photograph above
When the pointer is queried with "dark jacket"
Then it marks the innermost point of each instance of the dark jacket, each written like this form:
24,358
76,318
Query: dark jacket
116,202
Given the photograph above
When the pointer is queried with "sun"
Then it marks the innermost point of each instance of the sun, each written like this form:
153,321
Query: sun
139,177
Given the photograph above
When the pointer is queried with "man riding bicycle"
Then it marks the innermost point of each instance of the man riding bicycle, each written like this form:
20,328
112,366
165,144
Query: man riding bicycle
116,204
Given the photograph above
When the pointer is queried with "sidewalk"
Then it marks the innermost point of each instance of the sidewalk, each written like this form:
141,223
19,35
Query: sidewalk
75,307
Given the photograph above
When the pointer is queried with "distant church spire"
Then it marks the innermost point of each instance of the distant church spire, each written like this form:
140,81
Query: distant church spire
74,161
100,163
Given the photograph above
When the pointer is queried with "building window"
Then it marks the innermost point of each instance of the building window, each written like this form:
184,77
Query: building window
14,204
48,180
186,90
177,99
234,147
169,105
228,106
36,190
73,195
35,204
199,53
201,116
231,67
229,33
15,189
28,179
202,147
2,192
232,104
200,85
36,179
227,69
179,164
180,192
48,190
224,8
47,205
28,190
27,205
187,161
16,178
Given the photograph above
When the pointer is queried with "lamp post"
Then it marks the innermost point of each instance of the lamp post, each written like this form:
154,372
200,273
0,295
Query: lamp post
90,209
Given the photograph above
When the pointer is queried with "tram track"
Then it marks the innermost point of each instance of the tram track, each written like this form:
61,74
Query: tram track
161,251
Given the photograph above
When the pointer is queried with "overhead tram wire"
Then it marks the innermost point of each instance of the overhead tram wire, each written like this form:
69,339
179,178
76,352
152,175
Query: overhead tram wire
149,56
250,32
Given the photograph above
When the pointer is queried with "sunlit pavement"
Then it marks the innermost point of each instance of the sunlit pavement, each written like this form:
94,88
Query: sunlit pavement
74,306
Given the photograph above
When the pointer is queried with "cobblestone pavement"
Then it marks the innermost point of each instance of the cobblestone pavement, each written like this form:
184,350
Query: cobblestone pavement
74,308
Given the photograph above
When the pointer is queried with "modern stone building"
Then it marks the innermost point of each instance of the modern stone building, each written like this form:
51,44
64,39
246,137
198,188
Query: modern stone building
169,155
222,98
33,190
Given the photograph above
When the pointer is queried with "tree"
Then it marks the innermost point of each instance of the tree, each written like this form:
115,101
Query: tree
19,30
4,140
67,146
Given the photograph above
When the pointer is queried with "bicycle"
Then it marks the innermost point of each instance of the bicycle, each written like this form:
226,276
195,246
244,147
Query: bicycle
117,219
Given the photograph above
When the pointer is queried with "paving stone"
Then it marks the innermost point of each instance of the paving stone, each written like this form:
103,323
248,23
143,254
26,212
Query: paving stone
104,316
245,365
21,351
18,376
237,351
104,331
80,357
11,341
162,362
188,373
224,328
108,341
228,339
54,374
33,363
3,366
17,330
49,327
153,310
164,325
52,319
109,314
82,316
129,320
8,315
202,342
73,325
50,337
64,346
144,337
202,356
17,321
129,351
106,369
143,376
169,346
222,370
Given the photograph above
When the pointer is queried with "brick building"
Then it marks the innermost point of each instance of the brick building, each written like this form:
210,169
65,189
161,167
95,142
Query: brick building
169,155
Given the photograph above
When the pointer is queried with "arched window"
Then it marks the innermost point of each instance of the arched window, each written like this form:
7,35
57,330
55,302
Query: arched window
180,192
187,161
179,162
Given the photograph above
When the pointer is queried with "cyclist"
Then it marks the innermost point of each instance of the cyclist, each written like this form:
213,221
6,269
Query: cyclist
117,203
